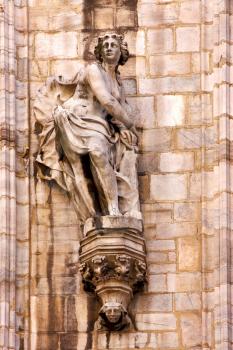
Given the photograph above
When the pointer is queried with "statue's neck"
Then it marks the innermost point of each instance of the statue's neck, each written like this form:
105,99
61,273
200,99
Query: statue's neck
110,69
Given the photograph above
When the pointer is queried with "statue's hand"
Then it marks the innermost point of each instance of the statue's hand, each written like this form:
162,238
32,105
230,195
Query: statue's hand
59,113
58,110
128,136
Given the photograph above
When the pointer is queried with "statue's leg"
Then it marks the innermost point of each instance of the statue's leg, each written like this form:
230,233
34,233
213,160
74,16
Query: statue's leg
82,199
105,179
128,185
77,185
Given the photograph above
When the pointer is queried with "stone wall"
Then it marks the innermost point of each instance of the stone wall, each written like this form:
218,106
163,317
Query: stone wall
178,79
170,167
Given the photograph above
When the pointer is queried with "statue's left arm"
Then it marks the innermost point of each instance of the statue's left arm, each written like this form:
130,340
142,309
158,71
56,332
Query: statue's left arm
105,98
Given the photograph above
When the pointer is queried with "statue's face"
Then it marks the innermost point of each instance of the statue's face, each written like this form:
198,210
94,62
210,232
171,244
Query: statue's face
111,52
113,313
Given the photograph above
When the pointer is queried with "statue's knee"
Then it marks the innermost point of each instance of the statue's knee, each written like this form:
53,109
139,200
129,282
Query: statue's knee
98,155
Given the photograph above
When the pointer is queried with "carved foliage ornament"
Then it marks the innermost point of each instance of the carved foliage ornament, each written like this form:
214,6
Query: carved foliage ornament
112,265
118,267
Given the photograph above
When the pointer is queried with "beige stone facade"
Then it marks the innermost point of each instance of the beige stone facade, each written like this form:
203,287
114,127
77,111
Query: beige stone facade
179,81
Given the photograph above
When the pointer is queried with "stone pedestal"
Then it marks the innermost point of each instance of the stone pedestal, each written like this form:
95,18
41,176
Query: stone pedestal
112,263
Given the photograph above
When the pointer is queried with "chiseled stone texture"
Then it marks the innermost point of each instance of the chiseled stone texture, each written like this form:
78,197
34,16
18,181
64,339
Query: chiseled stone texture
170,110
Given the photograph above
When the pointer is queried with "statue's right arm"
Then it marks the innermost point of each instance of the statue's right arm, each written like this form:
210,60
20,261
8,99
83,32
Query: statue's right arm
109,102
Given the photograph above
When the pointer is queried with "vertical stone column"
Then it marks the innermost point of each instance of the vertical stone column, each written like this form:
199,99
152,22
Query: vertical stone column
221,104
23,198
216,177
7,177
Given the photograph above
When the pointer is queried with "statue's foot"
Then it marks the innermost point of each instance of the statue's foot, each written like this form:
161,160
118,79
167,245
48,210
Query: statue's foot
134,213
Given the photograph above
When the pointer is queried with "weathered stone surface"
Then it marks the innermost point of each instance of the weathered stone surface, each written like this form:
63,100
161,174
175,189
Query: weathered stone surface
187,211
126,341
188,39
164,321
144,111
161,268
160,40
148,163
168,340
170,64
161,245
173,230
190,12
174,162
154,214
168,187
189,254
157,283
196,104
169,85
151,14
154,303
125,16
189,138
170,110
155,140
57,45
157,257
187,301
66,68
103,18
184,282
191,329
195,186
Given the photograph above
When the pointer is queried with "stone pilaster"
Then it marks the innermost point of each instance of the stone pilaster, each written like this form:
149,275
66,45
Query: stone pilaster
221,105
216,179
7,177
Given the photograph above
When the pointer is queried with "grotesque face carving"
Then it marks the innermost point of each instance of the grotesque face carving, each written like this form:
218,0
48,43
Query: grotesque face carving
113,312
113,316
111,51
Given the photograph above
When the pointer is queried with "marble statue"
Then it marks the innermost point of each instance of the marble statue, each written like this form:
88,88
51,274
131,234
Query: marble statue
88,140
88,146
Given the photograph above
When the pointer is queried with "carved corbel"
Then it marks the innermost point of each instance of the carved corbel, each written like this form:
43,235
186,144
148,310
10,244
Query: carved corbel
113,265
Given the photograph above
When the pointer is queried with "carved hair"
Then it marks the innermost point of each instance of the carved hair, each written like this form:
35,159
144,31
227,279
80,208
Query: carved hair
123,47
112,304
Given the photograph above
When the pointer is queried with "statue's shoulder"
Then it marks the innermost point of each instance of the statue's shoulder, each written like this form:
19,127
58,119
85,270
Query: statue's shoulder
93,68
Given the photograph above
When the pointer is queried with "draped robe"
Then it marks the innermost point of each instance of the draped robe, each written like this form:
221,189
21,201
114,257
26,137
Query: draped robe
75,133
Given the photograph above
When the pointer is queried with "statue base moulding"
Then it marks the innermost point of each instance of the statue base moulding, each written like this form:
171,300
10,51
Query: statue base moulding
113,265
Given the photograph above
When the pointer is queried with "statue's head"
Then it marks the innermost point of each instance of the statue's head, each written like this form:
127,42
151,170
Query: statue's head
112,49
113,312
